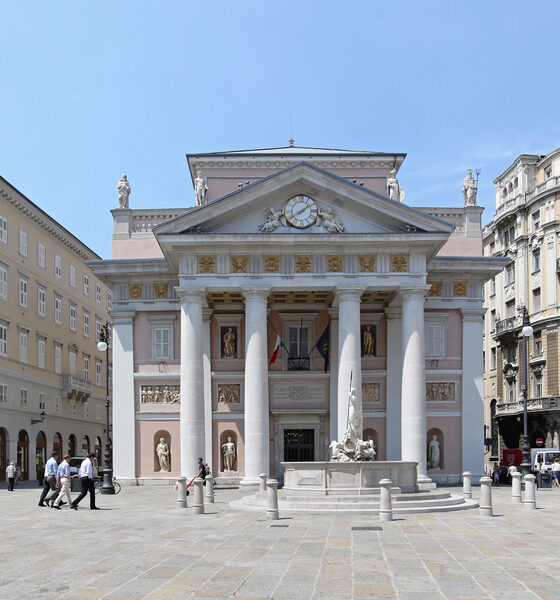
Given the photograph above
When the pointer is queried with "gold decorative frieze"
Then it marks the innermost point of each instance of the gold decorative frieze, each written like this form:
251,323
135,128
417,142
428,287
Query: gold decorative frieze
440,392
459,288
435,290
367,263
335,264
271,264
399,263
161,290
135,291
160,394
303,264
206,264
239,264
370,392
229,393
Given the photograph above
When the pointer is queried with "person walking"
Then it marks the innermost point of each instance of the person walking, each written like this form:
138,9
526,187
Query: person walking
86,478
202,469
11,476
50,491
496,474
63,478
556,472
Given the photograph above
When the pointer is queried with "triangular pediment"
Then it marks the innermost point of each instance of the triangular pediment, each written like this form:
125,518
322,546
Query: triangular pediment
335,206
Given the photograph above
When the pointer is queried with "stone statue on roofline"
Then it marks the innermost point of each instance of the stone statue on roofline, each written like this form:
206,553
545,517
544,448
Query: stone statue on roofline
200,189
469,189
394,190
123,188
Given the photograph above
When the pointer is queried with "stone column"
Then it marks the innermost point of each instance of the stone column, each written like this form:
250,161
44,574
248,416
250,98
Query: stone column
257,416
394,382
413,393
349,352
333,376
124,408
472,393
192,381
207,368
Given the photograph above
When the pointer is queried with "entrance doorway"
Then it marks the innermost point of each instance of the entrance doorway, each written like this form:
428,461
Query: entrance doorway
299,445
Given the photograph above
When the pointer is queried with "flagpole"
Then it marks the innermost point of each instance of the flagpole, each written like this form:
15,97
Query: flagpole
282,345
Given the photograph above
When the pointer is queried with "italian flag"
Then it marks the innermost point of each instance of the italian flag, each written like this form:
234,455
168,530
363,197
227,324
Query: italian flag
279,344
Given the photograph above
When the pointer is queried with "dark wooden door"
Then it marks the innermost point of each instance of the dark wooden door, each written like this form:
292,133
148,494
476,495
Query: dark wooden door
299,445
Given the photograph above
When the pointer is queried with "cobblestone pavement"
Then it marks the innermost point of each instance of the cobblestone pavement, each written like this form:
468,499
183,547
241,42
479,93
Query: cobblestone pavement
142,546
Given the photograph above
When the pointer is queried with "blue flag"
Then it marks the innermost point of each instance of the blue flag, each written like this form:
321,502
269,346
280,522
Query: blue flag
323,346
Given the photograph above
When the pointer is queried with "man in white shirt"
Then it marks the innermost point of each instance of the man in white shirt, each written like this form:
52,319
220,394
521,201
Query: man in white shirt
50,491
63,483
86,478
556,472
11,476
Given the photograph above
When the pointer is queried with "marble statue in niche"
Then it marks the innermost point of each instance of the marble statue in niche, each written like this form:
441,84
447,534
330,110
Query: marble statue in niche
228,451
162,451
123,188
433,453
229,343
368,341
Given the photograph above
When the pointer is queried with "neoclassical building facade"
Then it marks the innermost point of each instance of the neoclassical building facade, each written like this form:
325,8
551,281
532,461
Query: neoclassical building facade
525,231
302,247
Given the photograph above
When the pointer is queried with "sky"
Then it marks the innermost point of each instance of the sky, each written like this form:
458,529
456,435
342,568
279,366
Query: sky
89,91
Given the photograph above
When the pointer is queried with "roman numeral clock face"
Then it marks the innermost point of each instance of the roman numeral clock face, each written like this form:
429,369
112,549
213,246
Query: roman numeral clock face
300,211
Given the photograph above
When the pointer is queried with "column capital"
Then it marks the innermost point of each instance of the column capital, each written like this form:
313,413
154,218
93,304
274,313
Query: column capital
122,317
255,293
393,312
207,313
188,294
417,291
473,314
349,293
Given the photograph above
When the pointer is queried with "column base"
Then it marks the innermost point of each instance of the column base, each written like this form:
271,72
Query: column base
250,482
425,484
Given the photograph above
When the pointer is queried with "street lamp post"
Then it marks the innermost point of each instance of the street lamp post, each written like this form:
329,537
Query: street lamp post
527,331
103,346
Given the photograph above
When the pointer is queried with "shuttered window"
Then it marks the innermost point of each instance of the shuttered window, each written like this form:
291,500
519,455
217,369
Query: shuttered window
435,340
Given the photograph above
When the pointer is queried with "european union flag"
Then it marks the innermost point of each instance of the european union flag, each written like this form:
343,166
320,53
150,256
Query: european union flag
323,346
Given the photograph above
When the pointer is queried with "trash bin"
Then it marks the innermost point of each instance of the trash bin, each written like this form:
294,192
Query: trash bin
544,480
75,484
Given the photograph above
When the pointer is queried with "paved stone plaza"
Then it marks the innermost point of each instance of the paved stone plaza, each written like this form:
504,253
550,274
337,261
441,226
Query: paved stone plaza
142,546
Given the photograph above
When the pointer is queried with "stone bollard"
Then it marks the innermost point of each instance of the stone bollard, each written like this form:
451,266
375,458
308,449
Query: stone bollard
262,482
385,506
272,500
530,501
210,489
182,492
516,487
467,491
198,503
486,497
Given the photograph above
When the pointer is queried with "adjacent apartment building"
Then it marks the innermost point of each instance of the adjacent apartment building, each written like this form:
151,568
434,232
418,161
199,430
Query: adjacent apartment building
52,308
525,229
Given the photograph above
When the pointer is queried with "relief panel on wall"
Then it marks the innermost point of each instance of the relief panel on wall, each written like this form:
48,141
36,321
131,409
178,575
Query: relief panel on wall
160,394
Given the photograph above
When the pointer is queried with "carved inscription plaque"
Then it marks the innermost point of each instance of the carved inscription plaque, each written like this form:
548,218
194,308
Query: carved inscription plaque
298,392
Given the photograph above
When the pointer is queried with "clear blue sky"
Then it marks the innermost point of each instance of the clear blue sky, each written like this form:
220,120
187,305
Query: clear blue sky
89,91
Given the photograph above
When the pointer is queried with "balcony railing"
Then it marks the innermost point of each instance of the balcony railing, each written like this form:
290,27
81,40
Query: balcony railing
507,325
76,387
533,405
144,220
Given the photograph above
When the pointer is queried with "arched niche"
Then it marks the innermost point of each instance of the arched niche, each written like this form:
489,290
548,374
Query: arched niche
228,433
23,454
162,433
370,433
441,444
40,454
57,446
85,445
72,445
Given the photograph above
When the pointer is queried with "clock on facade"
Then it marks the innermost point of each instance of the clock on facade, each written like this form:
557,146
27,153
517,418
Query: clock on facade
300,211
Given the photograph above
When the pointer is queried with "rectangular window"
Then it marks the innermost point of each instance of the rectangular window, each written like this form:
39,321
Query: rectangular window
42,403
72,406
23,338
536,260
537,300
23,397
492,320
161,342
58,266
510,273
109,300
98,372
98,293
3,282
548,172
73,317
23,292
510,309
86,285
493,286
3,339
3,230
23,242
72,356
511,392
86,367
86,324
41,301
3,393
506,238
57,358
434,339
537,342
57,310
73,276
536,219
57,404
298,341
41,255
537,385
493,358
41,352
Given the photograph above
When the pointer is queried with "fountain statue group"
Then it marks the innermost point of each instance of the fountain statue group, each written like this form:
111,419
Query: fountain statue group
352,447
